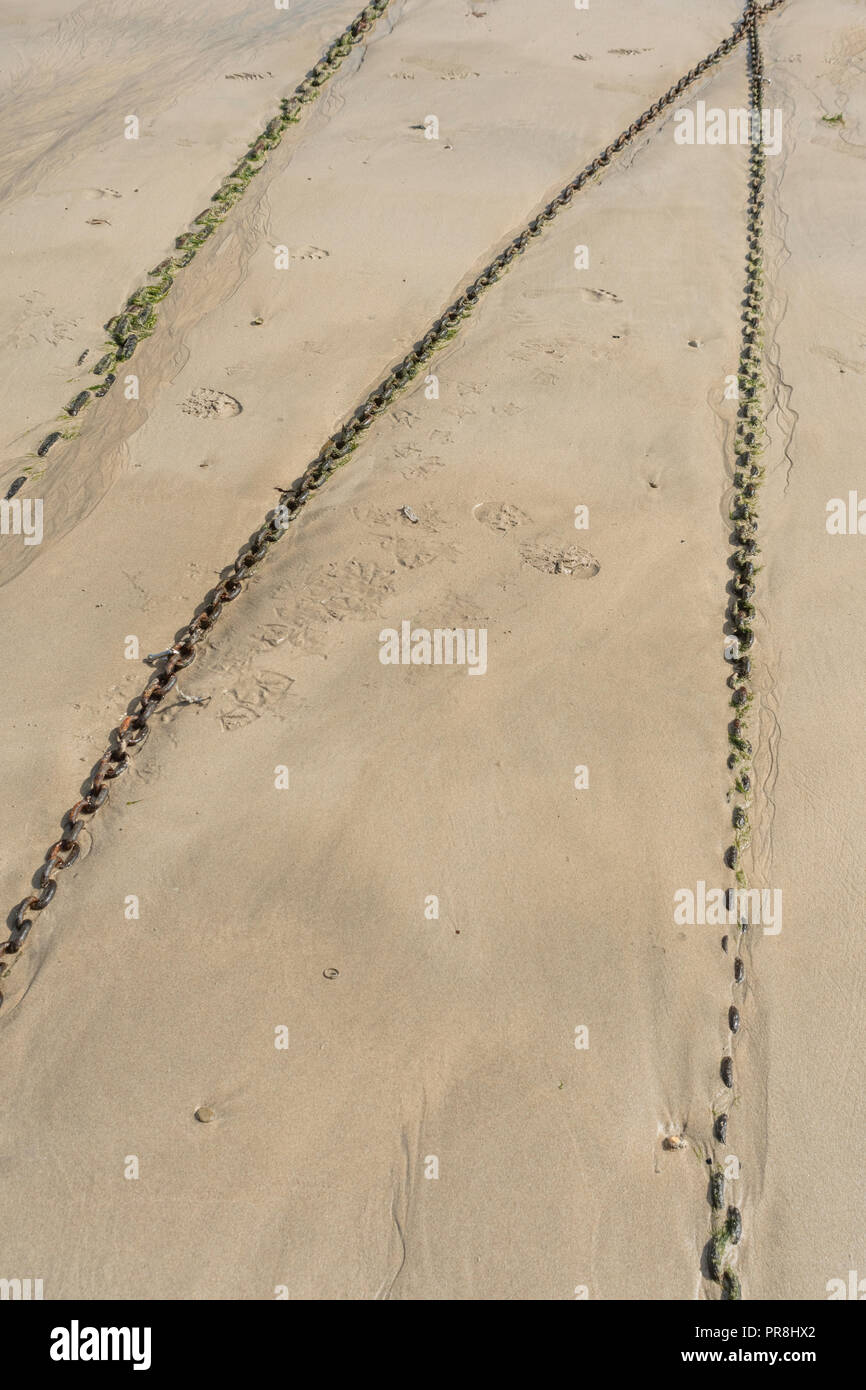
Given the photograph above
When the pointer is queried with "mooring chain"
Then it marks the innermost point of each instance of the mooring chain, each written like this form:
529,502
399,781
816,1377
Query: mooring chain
132,731
727,1224
138,319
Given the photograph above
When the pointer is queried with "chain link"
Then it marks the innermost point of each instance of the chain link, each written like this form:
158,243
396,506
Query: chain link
133,730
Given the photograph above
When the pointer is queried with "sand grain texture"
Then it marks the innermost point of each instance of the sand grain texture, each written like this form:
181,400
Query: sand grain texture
450,1039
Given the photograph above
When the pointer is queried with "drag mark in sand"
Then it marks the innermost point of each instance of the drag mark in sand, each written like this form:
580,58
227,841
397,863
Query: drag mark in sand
137,319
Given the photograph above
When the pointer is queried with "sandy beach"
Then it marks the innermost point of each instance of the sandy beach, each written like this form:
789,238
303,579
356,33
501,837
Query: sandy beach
405,932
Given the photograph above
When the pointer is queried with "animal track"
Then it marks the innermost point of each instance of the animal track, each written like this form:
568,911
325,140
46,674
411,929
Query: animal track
534,347
251,696
421,470
456,73
41,325
308,253
335,593
207,404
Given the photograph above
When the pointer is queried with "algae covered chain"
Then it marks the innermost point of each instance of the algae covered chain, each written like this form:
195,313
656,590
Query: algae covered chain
748,476
138,318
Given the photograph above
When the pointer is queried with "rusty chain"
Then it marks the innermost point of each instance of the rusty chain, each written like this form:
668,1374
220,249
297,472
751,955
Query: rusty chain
133,730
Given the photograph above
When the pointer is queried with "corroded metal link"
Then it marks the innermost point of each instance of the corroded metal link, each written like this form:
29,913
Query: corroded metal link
45,894
48,869
67,847
132,731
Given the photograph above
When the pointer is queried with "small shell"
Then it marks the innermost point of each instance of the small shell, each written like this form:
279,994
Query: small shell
727,1070
128,348
730,1286
731,856
717,1189
735,1225
103,364
204,1114
739,971
674,1141
734,1018
720,1128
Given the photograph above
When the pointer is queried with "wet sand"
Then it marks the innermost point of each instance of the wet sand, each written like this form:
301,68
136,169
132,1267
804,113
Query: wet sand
430,1131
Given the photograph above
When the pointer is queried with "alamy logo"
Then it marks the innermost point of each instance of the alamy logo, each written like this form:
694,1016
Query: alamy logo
855,1289
736,126
444,646
726,907
76,1343
22,518
20,1289
846,519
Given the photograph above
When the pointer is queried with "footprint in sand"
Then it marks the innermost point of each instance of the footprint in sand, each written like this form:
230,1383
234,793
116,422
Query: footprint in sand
207,404
503,518
552,559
